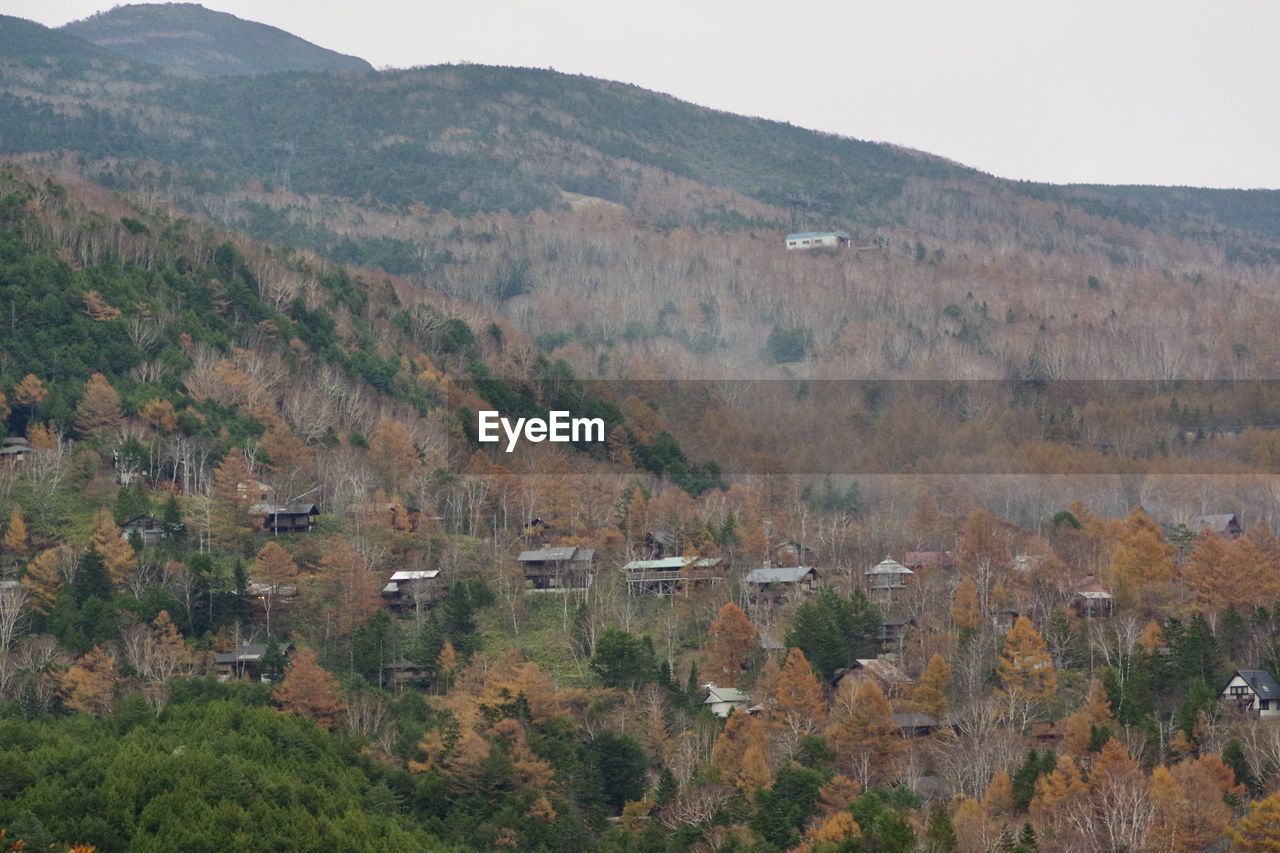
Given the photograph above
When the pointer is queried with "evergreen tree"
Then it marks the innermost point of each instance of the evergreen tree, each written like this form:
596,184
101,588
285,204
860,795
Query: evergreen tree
940,835
91,579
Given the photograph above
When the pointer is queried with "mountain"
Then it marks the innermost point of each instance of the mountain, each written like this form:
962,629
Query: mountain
189,39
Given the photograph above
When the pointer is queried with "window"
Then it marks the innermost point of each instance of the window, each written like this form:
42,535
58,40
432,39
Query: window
1266,705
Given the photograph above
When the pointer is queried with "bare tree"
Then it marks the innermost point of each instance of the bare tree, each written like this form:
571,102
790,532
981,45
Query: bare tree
13,613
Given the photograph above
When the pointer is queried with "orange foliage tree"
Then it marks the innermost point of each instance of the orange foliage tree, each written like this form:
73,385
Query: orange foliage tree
308,690
731,641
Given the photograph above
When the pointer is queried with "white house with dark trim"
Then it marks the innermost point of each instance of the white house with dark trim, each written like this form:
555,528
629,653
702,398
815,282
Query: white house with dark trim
723,700
1254,691
817,240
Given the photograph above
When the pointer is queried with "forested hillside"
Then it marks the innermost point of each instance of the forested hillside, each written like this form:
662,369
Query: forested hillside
960,538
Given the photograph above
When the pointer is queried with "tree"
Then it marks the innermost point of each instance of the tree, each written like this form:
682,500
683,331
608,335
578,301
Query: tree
940,834
393,454
731,642
862,732
833,630
1026,671
158,655
108,540
308,690
13,614
16,540
30,391
90,685
231,494
91,578
930,696
99,409
965,613
44,577
1259,830
275,570
799,707
1141,557
1091,724
622,660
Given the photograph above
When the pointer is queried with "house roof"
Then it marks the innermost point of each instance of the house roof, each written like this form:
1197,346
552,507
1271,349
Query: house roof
809,235
415,575
1092,589
1218,523
671,563
914,720
889,566
769,644
793,574
284,509
1261,681
558,555
724,694
248,652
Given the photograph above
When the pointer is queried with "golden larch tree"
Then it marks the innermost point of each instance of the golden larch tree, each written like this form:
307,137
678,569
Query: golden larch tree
90,685
99,408
930,695
117,553
30,391
799,708
275,570
1093,715
965,613
1027,678
731,641
232,493
393,453
308,690
16,540
862,732
44,577
1141,556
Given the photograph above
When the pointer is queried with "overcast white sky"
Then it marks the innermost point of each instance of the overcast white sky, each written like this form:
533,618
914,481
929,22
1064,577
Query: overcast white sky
1167,92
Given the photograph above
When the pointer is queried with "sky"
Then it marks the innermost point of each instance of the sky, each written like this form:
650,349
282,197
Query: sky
1133,92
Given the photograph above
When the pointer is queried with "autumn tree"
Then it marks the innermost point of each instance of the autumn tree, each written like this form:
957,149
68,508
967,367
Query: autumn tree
1259,830
731,641
930,696
274,569
393,454
231,495
99,408
799,708
1224,573
89,686
348,589
1091,723
108,539
13,614
30,391
308,690
16,540
46,575
1141,556
1190,803
965,613
1027,678
862,732
158,655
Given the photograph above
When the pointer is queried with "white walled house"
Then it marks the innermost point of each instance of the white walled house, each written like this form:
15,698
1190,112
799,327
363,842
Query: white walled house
1254,691
723,700
817,240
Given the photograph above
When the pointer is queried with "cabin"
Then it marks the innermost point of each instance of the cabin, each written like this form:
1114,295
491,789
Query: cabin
1222,524
769,645
1092,600
919,561
1002,620
773,584
804,240
894,631
557,569
883,669
793,554
660,543
411,587
723,700
666,576
244,662
403,673
148,529
887,576
1253,691
286,518
281,593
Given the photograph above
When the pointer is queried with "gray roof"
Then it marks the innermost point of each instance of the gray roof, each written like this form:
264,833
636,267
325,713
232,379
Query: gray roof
725,694
415,575
284,509
248,652
1261,682
794,574
671,563
889,566
558,555
913,720
809,235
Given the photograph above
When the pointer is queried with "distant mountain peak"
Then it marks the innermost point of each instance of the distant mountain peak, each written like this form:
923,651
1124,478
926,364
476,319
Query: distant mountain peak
188,39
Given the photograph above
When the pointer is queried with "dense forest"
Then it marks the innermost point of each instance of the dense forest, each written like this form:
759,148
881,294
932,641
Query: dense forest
962,538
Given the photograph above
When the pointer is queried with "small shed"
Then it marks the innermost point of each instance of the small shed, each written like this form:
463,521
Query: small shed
723,700
914,724
1092,599
774,583
411,586
1253,691
14,448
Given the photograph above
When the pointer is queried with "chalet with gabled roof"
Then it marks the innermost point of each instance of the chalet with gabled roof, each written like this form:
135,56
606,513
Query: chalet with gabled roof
667,576
1253,691
559,569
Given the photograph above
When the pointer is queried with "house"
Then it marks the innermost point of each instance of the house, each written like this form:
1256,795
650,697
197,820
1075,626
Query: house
794,554
558,569
403,673
665,576
773,584
148,529
281,593
244,662
1253,691
1046,731
803,240
286,518
914,724
1223,524
660,543
1024,563
1092,600
769,645
883,669
918,561
14,448
412,587
894,631
1002,620
887,576
723,700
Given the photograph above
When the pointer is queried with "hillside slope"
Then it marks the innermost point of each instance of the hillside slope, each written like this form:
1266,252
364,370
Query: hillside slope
189,39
